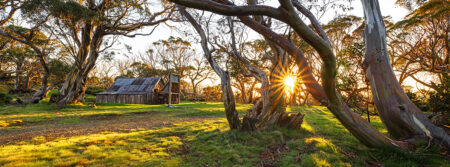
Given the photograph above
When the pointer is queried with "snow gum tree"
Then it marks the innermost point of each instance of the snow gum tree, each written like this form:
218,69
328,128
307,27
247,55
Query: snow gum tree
85,29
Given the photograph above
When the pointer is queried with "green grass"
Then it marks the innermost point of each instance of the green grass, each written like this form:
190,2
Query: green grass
45,112
4,89
71,121
322,141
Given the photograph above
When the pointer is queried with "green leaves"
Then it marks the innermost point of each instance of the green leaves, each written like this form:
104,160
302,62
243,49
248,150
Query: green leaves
36,38
432,9
70,10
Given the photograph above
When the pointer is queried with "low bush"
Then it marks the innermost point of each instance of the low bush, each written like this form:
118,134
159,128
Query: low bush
92,90
4,98
4,88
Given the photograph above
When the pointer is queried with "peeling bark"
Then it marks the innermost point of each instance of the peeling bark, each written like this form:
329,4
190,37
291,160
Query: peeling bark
403,119
75,83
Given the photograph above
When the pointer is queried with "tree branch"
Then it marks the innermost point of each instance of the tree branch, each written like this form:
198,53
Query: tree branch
315,23
230,9
11,13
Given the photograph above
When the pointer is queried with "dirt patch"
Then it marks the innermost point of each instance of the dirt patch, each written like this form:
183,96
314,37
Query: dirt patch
101,117
96,124
145,113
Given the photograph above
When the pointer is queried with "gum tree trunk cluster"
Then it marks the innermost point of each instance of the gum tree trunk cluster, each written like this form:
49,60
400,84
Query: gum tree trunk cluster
270,110
403,119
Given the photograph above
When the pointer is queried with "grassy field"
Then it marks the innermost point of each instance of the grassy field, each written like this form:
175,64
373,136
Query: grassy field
193,134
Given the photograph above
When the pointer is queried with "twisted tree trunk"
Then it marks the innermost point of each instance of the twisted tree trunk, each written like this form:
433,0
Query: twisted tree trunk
43,91
270,110
72,89
353,122
26,82
358,126
327,94
403,119
229,101
75,83
273,107
227,92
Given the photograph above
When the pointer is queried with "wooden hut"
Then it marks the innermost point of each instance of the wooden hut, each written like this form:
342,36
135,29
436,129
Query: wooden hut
144,90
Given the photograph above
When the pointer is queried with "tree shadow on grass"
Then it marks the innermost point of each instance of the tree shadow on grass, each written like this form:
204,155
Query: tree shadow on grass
326,125
273,146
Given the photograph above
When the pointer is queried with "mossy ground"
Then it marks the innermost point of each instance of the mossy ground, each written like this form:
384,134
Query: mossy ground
205,141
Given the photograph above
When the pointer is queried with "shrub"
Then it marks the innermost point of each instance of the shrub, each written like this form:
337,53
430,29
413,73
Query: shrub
53,92
436,102
4,98
54,97
421,102
89,99
439,100
94,89
4,88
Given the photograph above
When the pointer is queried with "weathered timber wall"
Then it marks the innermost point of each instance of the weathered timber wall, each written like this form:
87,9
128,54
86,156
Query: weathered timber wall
150,98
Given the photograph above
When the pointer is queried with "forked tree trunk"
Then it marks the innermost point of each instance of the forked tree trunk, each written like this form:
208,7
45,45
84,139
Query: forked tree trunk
75,83
327,94
272,101
273,107
229,101
17,81
72,88
264,113
306,99
358,126
43,91
402,118
26,82
250,97
227,92
194,88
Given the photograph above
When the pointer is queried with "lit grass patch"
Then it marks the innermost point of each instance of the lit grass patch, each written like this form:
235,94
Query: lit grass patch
322,140
10,123
156,146
43,112
3,124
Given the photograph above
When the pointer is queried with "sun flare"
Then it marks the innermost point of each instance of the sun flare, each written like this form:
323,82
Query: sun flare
289,82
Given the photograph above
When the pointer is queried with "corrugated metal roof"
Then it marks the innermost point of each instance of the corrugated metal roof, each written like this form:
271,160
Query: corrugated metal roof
133,85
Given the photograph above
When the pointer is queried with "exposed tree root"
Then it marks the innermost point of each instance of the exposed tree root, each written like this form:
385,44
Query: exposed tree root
251,122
